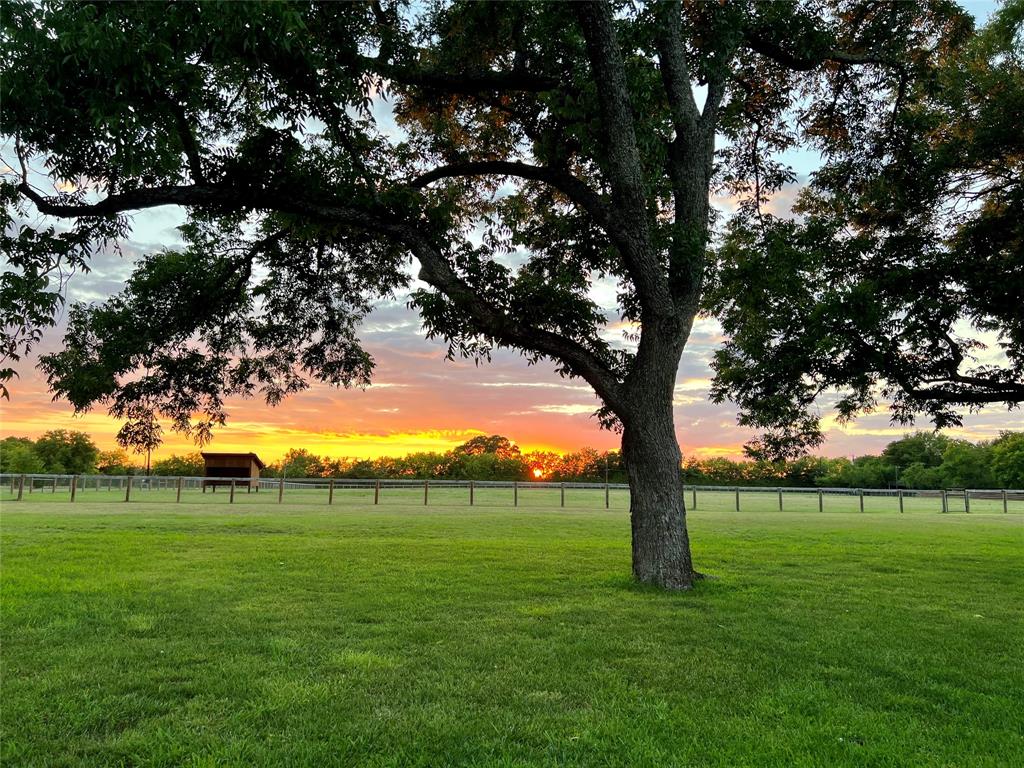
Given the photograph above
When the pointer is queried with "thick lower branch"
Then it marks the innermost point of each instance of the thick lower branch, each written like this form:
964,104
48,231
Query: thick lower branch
576,190
801,63
573,188
437,271
990,392
136,200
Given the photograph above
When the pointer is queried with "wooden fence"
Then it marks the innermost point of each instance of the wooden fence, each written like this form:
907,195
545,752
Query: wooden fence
15,487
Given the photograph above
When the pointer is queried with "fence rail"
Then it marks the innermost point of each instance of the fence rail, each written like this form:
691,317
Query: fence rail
129,488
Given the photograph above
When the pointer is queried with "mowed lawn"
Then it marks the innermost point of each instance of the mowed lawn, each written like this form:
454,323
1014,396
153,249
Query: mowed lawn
150,634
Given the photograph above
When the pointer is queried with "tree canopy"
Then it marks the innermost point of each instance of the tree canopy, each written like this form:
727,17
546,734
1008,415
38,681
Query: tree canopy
304,208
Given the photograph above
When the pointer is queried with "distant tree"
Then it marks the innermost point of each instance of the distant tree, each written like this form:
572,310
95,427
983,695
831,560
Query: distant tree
967,465
585,464
362,468
67,452
116,462
141,433
919,476
18,456
189,465
336,467
496,444
805,471
722,471
542,465
925,448
426,464
862,472
693,471
1007,454
298,462
872,472
491,465
582,134
617,472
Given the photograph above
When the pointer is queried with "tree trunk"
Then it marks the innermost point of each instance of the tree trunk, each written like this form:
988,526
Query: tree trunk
661,545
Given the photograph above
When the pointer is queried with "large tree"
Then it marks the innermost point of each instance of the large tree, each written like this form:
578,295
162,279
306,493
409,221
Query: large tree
539,147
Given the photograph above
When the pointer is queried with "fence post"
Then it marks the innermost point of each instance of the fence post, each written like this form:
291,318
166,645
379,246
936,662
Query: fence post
899,495
376,492
780,499
330,492
426,491
694,497
14,484
231,497
562,487
54,485
821,500
860,496
967,501
471,493
128,490
74,486
945,503
280,490
1004,501
21,488
607,496
515,493
737,499
178,496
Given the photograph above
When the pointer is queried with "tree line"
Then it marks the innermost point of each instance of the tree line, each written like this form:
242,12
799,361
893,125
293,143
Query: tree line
921,460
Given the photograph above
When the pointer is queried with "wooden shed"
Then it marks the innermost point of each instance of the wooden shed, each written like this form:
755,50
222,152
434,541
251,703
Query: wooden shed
222,468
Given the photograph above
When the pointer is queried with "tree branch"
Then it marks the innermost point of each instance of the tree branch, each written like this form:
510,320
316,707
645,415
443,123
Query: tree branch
437,271
774,51
974,390
569,185
674,73
713,100
1009,393
580,361
463,83
188,141
137,199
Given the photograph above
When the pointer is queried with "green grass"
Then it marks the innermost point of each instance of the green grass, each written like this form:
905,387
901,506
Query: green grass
204,634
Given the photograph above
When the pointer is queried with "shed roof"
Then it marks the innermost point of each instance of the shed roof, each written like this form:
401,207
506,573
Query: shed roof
248,456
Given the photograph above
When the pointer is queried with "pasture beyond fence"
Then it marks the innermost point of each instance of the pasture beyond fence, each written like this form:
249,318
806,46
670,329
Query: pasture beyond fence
495,493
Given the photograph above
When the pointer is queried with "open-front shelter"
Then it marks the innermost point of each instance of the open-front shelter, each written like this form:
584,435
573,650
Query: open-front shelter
223,468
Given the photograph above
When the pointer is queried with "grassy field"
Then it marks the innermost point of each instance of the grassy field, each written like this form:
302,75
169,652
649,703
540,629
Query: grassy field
203,634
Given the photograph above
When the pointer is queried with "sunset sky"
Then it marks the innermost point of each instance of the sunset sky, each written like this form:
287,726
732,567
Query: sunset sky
420,401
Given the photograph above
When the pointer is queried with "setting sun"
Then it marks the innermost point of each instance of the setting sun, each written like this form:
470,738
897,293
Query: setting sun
538,472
